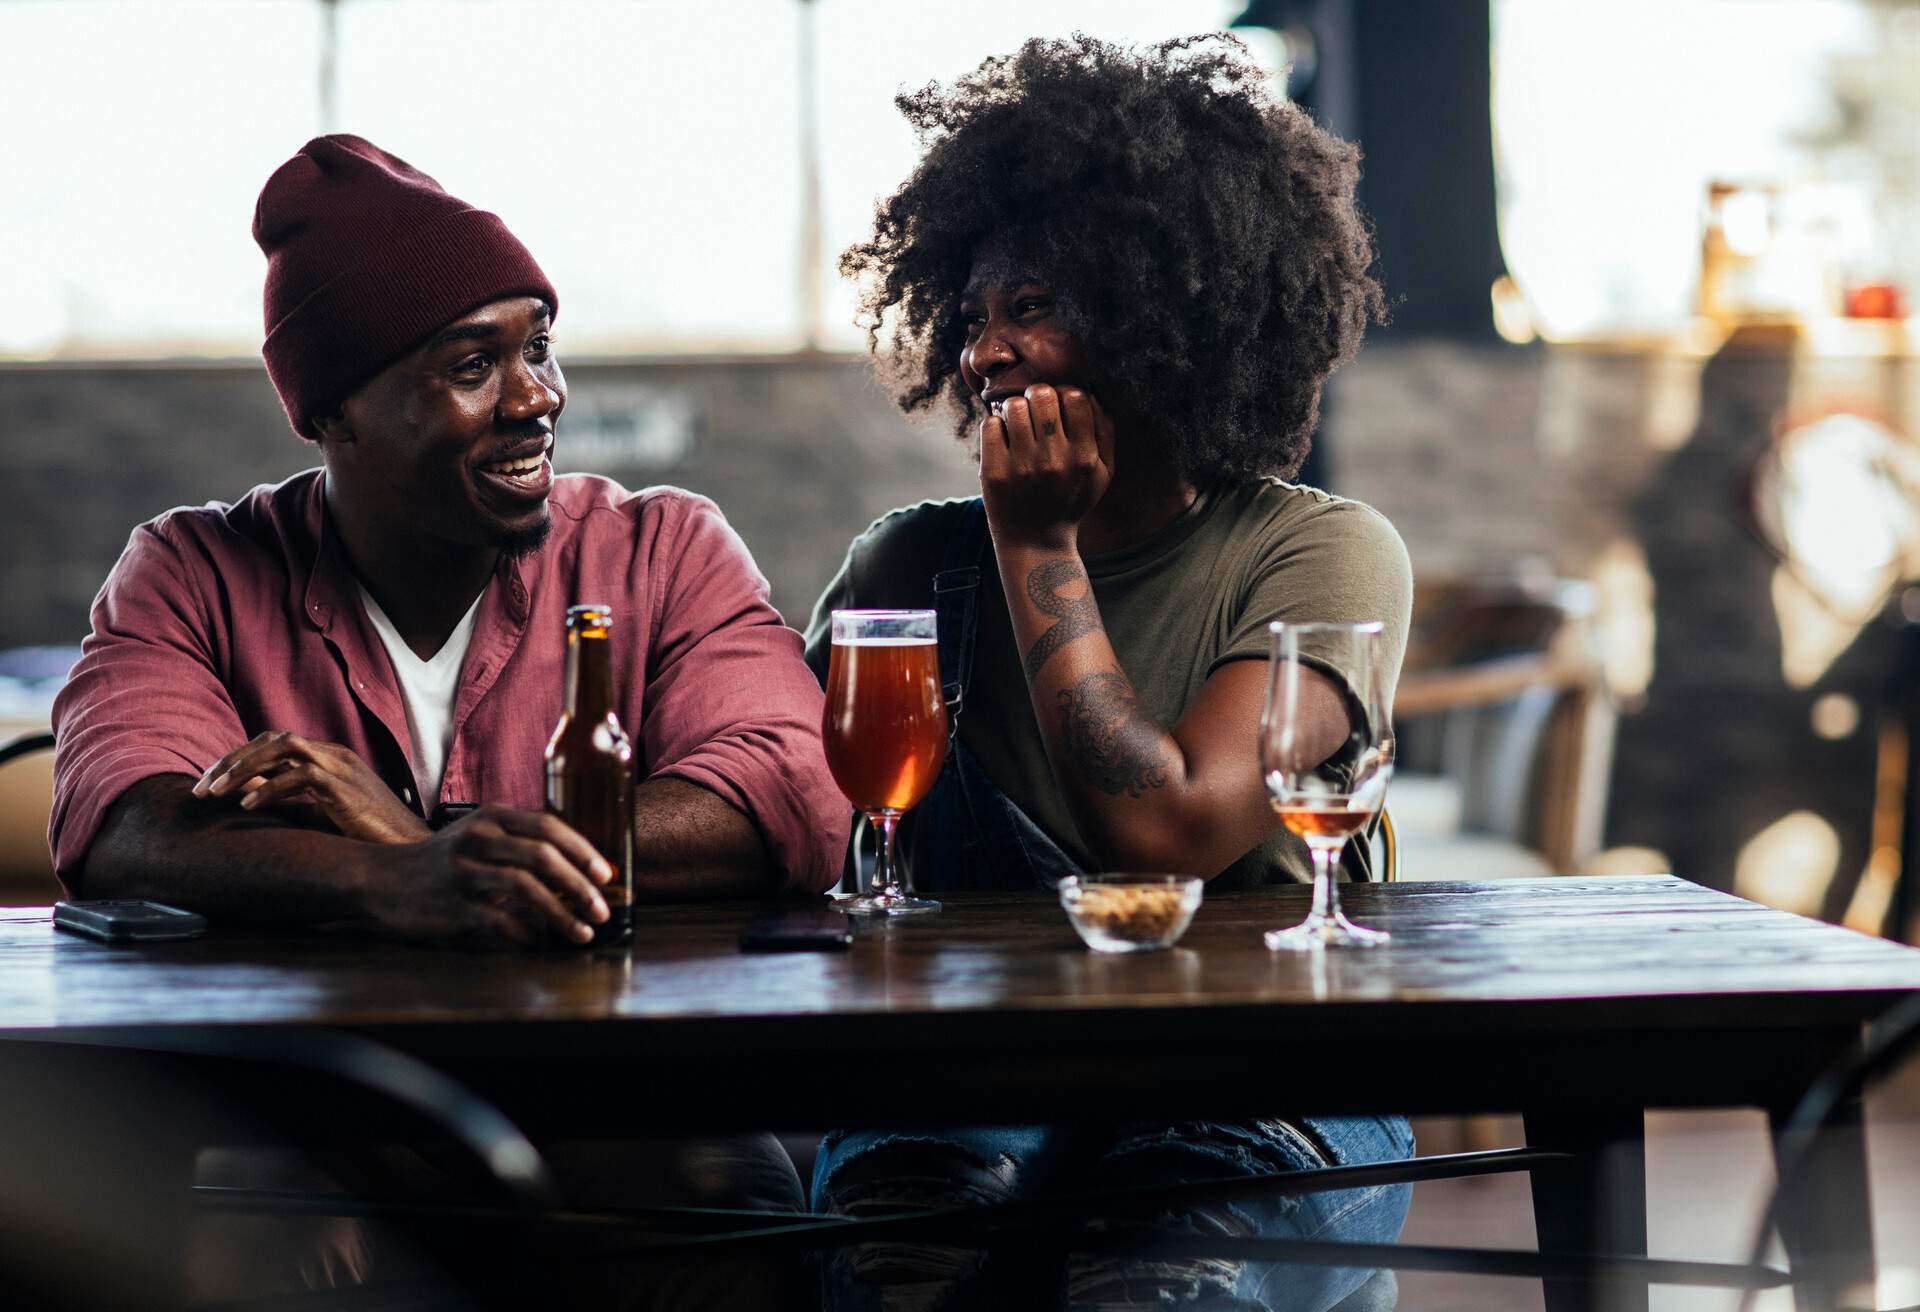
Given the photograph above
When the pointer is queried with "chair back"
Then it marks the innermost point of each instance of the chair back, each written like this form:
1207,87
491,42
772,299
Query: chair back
105,1122
1504,696
26,798
1389,848
1813,1143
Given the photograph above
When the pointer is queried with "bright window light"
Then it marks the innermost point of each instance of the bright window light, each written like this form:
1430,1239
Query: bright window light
1611,119
647,151
139,135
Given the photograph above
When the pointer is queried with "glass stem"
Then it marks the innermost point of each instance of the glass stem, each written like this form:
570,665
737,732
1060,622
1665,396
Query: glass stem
1326,899
885,881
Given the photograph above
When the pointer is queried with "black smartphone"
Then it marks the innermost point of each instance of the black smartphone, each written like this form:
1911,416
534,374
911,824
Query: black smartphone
127,922
798,927
445,813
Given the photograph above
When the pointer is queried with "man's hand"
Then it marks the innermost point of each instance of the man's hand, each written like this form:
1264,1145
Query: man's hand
497,873
1045,461
302,777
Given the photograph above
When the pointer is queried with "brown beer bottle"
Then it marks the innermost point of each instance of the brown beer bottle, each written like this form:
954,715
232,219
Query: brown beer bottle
590,764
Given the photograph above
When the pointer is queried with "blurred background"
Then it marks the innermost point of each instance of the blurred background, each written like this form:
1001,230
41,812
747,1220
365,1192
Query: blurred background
1647,415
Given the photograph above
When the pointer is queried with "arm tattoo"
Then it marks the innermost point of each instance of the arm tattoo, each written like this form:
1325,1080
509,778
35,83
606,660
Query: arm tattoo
1074,617
1109,736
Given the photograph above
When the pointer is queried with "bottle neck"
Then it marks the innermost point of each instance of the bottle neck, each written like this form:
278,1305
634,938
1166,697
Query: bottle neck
589,674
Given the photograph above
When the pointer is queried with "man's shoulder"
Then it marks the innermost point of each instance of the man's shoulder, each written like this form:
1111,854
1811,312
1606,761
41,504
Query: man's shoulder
594,502
607,537
271,517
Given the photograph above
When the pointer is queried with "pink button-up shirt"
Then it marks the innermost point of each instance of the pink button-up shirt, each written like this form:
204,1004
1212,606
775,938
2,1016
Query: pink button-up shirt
222,621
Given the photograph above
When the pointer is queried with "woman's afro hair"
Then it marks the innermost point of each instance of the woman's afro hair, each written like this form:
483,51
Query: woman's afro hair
1202,230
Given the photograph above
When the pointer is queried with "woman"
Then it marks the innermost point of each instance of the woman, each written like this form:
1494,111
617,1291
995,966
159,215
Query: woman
1131,273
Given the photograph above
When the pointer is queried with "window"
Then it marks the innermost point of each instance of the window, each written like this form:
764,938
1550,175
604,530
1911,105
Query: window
647,151
1611,120
138,136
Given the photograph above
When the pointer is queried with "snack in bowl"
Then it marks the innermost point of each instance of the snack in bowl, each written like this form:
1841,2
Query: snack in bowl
1130,913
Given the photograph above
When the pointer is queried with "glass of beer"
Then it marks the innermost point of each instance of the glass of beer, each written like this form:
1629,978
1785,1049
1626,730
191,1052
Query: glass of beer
885,732
1326,753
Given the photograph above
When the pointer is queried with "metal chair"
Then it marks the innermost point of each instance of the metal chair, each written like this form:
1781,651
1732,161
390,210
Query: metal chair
127,1109
1055,1226
1831,1107
39,740
1389,848
26,870
1504,698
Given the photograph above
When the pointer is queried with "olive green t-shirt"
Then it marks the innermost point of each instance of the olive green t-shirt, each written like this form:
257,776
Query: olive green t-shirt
1176,607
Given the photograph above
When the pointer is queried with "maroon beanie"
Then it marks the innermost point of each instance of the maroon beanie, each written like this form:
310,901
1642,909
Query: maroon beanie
366,258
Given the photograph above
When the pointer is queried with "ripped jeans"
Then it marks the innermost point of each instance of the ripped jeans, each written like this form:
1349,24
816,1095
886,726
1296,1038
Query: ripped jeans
877,1172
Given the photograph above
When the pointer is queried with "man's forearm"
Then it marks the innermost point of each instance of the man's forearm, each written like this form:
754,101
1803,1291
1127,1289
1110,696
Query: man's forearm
160,842
689,843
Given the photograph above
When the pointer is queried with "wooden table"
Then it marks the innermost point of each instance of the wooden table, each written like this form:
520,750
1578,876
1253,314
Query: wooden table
1577,1002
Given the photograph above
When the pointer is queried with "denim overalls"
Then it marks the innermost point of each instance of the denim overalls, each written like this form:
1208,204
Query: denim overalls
980,839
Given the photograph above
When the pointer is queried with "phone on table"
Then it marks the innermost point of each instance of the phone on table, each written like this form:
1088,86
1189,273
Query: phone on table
798,927
127,921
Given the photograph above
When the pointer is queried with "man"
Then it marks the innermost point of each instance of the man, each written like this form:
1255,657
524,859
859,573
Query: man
288,706
279,697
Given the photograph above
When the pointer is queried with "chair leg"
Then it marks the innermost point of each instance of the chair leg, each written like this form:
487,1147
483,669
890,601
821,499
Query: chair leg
1825,1218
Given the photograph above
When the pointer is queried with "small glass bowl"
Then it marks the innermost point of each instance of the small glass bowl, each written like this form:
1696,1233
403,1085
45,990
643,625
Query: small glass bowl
1130,913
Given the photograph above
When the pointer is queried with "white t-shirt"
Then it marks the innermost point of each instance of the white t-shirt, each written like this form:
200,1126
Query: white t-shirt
428,687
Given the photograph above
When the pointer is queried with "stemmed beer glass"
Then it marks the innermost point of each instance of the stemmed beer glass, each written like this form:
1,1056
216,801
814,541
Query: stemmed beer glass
886,733
1325,784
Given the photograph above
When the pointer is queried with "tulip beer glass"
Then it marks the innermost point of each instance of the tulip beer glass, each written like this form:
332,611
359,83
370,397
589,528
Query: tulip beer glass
885,732
1325,779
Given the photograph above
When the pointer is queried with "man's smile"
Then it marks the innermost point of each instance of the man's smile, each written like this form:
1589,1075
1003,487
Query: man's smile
526,476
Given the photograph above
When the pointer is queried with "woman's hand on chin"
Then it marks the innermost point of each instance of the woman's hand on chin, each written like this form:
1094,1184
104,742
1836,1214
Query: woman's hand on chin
1046,459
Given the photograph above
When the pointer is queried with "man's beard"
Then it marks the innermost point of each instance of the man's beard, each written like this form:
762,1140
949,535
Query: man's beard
517,544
